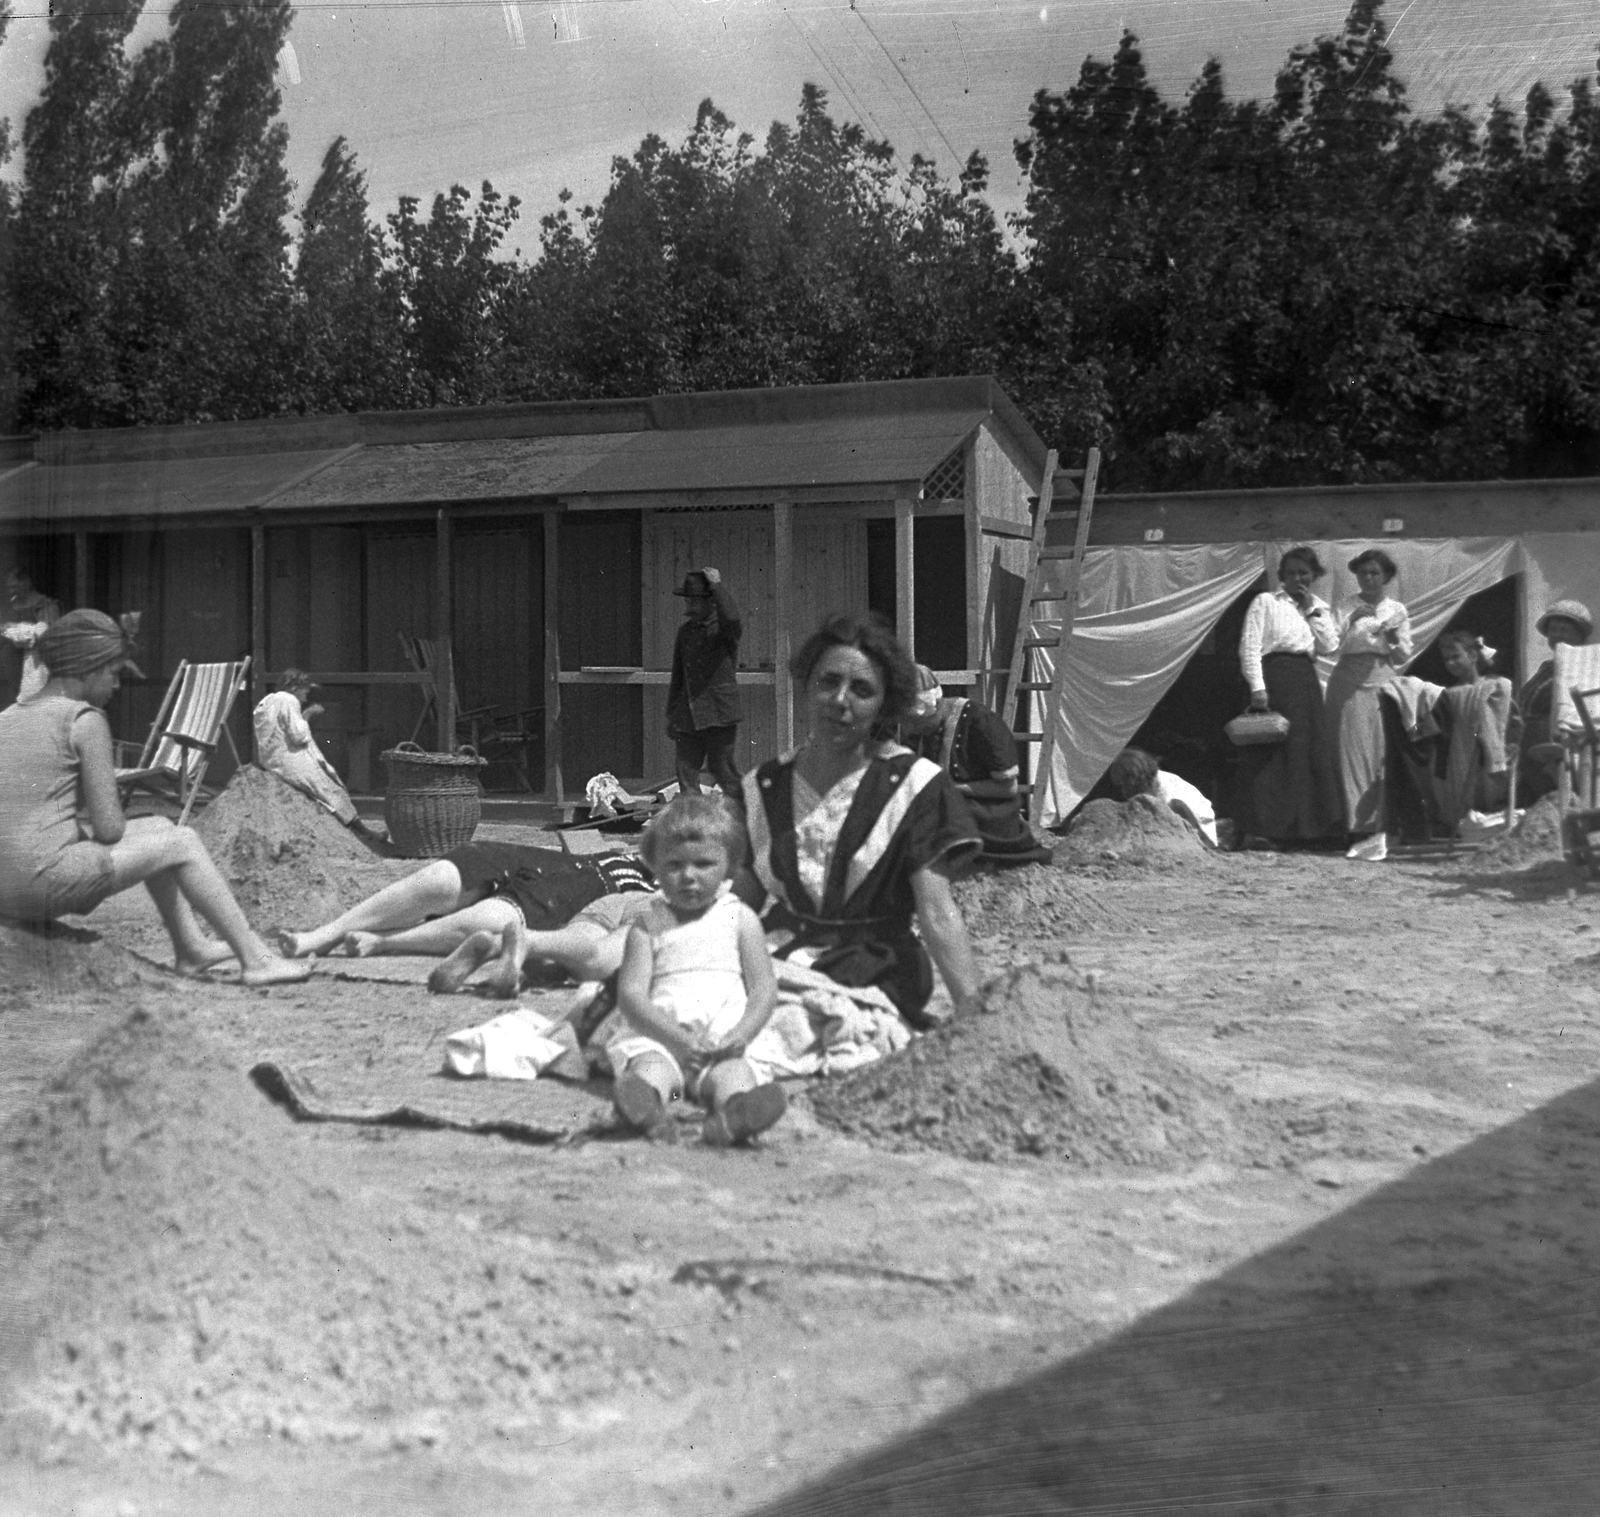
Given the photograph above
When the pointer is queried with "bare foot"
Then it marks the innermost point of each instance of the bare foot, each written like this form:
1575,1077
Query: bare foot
474,952
194,966
359,945
293,945
277,971
504,979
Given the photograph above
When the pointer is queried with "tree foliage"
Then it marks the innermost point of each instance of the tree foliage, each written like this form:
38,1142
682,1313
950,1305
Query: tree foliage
1323,287
1318,286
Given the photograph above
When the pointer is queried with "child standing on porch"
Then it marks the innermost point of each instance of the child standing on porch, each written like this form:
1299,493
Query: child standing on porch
696,989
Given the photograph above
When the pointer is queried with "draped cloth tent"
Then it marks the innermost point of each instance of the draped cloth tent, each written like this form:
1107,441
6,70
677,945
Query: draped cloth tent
1144,611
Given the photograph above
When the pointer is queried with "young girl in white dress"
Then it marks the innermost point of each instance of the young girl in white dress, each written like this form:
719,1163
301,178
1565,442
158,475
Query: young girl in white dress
696,989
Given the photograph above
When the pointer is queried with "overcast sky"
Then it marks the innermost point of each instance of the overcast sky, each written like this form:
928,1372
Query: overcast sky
539,96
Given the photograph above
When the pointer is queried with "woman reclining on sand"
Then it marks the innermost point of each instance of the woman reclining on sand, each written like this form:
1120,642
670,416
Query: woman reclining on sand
497,902
55,752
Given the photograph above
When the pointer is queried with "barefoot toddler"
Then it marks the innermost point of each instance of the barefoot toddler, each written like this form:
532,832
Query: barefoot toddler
696,989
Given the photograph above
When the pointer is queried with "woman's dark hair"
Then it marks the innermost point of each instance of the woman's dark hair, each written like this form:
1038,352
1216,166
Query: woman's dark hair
1457,638
1305,556
873,635
1132,772
1380,558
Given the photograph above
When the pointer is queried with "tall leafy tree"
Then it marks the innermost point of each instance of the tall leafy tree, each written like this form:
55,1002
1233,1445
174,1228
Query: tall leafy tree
204,300
80,143
349,353
153,273
451,288
8,341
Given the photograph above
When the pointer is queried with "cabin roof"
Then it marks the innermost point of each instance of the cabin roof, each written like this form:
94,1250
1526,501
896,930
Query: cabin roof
866,441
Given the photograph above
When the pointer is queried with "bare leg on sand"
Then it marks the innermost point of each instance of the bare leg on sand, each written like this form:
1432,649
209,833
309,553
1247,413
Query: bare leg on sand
173,865
584,949
433,891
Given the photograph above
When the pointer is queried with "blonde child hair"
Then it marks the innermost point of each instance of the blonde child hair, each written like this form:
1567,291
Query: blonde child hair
696,819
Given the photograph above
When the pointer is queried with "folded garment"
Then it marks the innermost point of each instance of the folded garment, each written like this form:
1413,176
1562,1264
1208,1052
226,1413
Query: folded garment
520,1044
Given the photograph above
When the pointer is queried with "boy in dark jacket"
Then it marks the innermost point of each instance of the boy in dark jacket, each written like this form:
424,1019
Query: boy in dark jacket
703,696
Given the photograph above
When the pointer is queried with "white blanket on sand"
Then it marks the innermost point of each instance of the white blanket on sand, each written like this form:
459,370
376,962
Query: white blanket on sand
821,1027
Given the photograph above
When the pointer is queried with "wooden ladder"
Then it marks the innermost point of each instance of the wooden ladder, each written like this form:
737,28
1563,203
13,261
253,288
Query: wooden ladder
1041,554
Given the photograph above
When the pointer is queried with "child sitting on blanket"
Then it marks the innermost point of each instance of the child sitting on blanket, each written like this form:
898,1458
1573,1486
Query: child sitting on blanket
696,989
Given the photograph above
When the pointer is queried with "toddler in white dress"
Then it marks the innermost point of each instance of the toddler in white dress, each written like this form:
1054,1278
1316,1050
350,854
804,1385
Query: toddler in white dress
696,989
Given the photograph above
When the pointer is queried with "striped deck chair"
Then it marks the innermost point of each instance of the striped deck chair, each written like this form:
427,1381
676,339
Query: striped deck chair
184,736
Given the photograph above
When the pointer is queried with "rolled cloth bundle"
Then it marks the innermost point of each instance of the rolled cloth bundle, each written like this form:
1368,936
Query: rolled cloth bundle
82,642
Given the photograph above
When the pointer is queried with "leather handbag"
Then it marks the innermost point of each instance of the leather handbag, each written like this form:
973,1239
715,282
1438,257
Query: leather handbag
1252,729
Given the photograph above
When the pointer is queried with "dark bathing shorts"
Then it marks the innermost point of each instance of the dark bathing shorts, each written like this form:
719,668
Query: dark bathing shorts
547,885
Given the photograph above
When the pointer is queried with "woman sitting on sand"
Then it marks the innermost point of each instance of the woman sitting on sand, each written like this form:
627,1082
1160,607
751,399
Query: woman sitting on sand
1475,711
852,837
55,754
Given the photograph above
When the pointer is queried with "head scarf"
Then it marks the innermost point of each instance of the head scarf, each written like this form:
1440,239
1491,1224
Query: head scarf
84,642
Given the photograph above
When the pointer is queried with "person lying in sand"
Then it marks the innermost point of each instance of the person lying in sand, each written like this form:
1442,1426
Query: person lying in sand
697,987
56,756
499,905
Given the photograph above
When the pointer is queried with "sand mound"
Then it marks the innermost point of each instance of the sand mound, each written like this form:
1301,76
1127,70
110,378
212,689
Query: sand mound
1144,833
1535,840
1046,904
179,1275
1051,1068
54,961
289,862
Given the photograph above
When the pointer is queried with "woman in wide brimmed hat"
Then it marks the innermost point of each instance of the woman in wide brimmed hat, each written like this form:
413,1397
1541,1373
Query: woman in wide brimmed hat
1567,621
55,752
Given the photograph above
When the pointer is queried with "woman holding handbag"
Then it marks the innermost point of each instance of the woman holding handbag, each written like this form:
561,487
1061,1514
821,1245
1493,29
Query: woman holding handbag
1288,790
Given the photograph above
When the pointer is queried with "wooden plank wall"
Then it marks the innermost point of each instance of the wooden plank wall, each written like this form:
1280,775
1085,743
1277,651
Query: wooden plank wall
315,621
601,729
398,575
830,574
499,626
128,567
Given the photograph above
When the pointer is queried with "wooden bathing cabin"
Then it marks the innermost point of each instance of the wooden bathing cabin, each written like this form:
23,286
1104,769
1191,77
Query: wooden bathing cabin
540,543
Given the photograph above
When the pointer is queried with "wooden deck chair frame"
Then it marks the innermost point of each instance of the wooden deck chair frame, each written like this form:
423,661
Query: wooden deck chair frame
1581,767
478,726
194,737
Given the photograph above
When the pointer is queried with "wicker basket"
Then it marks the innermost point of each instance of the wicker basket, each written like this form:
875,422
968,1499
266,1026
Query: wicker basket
433,801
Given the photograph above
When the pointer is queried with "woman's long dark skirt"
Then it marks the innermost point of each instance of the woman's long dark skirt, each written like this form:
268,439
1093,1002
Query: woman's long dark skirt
1290,790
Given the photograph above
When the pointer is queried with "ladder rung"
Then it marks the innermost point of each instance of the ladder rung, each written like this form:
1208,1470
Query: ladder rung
1042,642
1056,554
1034,684
1028,737
1035,600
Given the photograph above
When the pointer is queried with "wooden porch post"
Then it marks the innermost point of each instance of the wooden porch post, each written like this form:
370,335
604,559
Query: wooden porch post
553,788
258,619
782,616
905,589
443,624
80,567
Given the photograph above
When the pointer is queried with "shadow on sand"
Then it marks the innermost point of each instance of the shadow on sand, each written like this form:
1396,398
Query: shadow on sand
1432,1350
1536,882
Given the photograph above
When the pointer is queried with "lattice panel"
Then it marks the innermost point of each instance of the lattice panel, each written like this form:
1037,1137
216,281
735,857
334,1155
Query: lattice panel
949,480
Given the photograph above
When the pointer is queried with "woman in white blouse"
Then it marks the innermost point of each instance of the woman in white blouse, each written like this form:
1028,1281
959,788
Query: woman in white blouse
1375,639
1288,792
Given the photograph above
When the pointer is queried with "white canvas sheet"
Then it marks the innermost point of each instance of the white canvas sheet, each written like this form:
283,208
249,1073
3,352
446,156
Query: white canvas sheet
1144,611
